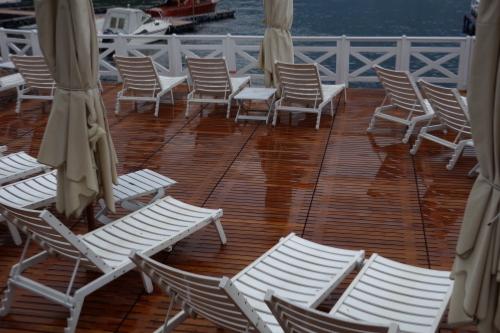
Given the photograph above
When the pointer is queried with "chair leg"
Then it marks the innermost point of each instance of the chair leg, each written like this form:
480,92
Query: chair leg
456,155
220,231
187,109
275,117
16,237
157,107
6,301
117,105
372,123
18,105
409,132
318,119
148,284
172,96
228,113
74,315
417,144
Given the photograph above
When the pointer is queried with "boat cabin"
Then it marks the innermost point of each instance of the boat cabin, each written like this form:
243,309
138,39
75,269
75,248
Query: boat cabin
125,20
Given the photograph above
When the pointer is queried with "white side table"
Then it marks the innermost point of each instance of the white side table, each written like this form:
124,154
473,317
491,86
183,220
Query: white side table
249,94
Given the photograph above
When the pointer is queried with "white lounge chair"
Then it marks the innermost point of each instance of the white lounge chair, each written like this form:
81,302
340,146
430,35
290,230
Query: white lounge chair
211,83
19,165
149,230
295,318
40,191
386,291
301,90
38,81
403,102
452,113
11,81
141,82
300,270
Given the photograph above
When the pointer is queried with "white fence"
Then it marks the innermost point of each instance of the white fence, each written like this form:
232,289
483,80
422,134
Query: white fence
341,59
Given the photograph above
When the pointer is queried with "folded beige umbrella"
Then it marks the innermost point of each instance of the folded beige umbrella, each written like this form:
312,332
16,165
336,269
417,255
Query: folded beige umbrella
277,44
476,293
77,140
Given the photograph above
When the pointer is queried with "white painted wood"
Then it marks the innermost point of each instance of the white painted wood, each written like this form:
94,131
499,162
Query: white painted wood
105,249
38,81
386,291
19,165
141,82
294,318
307,272
451,112
403,103
301,90
211,82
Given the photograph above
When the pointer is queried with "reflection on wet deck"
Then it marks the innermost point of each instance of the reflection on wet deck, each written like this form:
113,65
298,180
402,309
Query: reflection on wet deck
337,186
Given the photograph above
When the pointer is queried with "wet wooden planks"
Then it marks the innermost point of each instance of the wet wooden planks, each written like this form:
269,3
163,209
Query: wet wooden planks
337,186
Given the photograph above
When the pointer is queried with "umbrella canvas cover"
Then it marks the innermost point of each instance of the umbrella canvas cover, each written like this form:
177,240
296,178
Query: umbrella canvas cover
77,140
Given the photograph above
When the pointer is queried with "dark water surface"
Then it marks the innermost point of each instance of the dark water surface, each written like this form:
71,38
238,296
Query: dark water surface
349,17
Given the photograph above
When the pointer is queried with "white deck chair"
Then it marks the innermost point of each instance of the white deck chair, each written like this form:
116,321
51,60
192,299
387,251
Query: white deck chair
295,318
403,102
149,230
211,82
386,291
40,191
141,82
38,81
11,81
301,90
19,165
300,270
452,113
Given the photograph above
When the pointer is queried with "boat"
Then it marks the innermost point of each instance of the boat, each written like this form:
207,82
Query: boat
183,8
131,21
469,25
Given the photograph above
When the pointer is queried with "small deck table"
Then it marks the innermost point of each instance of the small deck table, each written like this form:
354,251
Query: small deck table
250,94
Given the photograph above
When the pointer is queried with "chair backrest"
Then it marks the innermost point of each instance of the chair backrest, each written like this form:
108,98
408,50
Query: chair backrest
34,71
299,83
52,235
401,89
448,106
138,74
210,76
215,299
295,318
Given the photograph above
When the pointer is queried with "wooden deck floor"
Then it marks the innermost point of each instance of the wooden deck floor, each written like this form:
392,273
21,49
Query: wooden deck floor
336,186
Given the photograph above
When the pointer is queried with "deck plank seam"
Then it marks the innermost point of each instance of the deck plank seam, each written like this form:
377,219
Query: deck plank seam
325,150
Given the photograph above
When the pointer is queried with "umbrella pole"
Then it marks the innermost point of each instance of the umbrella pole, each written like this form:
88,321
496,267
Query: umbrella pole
90,217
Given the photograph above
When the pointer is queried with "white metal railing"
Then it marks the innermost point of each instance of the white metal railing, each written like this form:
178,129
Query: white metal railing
341,59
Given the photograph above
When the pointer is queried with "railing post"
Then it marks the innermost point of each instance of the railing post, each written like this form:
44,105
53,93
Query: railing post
4,45
464,62
343,55
229,52
403,63
35,44
174,55
121,47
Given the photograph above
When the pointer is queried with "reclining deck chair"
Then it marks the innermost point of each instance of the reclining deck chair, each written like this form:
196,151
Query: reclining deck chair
149,230
211,83
40,191
403,102
18,165
386,291
295,318
301,90
302,271
141,82
38,81
452,113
